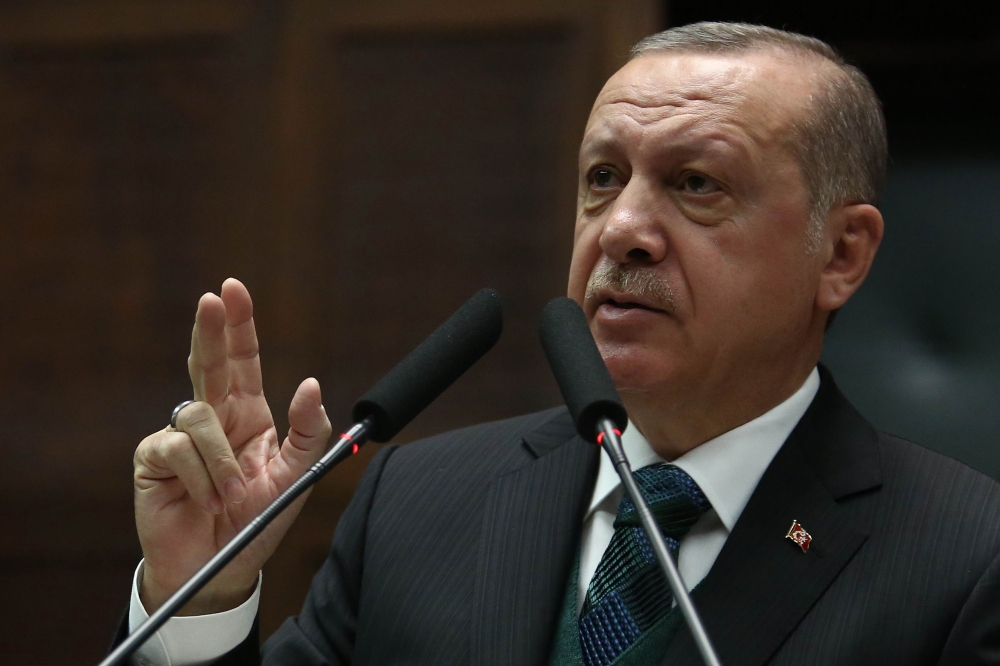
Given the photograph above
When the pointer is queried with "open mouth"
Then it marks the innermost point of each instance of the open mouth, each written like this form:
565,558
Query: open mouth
628,305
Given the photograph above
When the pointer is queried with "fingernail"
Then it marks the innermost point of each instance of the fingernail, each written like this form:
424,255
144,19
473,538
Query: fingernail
215,504
236,492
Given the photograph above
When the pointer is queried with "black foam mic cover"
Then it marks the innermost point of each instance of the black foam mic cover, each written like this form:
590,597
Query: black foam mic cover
579,370
433,366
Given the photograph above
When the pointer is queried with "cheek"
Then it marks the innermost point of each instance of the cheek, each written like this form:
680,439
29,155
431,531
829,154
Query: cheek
751,280
586,253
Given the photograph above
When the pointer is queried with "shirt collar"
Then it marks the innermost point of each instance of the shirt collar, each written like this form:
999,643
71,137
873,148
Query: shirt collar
727,468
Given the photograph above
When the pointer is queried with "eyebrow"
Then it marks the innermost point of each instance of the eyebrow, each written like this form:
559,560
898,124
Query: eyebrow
601,144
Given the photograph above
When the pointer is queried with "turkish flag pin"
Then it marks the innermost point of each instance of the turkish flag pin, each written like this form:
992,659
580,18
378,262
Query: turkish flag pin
798,534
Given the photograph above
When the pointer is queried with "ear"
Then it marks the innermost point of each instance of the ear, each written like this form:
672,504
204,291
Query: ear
853,234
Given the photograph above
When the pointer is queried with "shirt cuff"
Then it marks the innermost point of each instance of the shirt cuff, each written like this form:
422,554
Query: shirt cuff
191,640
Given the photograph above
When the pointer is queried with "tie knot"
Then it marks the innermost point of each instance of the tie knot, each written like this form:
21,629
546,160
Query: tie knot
674,498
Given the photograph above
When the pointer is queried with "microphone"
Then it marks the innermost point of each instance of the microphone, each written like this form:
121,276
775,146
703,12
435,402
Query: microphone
379,415
579,370
432,367
600,417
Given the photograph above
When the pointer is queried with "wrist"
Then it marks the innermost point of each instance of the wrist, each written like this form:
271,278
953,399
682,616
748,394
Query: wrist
215,597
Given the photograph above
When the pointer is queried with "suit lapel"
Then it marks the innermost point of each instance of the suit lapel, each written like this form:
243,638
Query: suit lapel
531,530
762,584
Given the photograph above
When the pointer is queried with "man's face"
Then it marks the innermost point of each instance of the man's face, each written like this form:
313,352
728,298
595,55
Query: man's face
692,220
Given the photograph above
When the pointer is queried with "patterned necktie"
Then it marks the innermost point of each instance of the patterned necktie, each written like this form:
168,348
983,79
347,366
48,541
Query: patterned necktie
629,593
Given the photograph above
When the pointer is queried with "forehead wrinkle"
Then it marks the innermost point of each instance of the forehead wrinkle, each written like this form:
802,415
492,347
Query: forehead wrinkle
641,84
653,114
728,93
642,102
665,132
666,117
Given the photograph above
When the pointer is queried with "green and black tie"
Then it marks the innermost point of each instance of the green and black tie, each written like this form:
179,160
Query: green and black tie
629,593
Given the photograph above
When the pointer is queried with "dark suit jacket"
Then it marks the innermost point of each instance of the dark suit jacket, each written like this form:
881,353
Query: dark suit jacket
457,550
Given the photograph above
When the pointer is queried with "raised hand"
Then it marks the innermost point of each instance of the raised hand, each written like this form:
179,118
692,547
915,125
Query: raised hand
198,485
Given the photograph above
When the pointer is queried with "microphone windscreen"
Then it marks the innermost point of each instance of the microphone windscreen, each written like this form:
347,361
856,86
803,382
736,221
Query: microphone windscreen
433,366
579,370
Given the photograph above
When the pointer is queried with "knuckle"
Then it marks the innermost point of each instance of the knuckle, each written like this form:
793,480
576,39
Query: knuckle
139,459
146,446
223,459
198,415
183,449
175,448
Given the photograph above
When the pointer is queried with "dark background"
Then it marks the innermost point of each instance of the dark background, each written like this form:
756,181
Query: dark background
377,161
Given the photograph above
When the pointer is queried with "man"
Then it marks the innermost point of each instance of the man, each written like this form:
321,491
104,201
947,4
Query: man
728,181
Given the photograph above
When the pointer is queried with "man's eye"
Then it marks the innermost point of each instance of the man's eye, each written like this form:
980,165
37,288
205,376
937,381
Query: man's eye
698,184
603,178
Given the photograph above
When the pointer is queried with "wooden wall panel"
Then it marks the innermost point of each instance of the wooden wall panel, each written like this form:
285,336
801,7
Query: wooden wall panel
444,185
362,166
120,171
108,163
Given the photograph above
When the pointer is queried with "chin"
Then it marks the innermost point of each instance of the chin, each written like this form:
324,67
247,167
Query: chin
637,370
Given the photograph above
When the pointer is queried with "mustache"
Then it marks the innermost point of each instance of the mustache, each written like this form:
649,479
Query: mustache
642,282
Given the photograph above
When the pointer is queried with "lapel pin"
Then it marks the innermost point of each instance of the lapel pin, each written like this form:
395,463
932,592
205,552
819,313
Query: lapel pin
798,534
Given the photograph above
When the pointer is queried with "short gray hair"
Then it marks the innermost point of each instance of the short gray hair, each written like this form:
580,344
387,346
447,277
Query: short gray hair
840,145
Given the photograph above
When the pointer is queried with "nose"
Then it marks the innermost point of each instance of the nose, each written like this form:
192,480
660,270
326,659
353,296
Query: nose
631,232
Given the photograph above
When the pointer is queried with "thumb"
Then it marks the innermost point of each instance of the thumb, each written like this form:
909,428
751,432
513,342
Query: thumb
308,432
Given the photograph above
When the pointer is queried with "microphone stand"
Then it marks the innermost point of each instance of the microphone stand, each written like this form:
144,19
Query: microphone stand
346,446
611,442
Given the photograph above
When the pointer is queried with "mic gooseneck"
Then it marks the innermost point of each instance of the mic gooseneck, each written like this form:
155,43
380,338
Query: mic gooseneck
402,394
600,417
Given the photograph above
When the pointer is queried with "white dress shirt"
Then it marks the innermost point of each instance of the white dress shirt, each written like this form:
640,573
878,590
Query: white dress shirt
194,639
727,469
